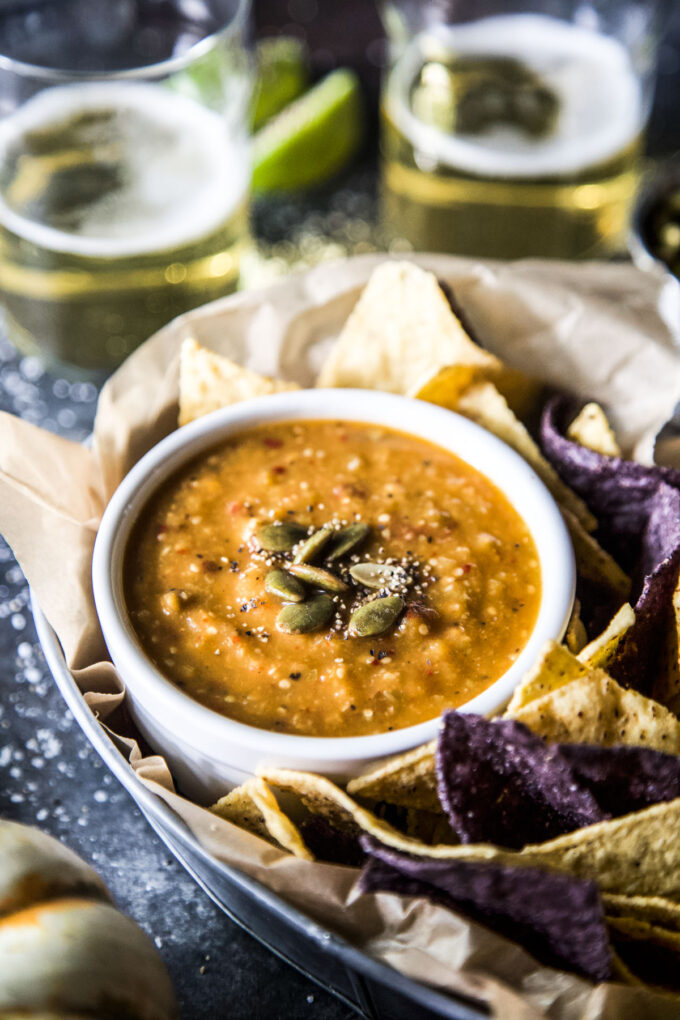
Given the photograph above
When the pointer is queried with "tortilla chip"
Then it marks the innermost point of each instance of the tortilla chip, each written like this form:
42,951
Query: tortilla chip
208,381
559,919
592,562
575,636
499,783
253,806
429,827
403,331
590,428
595,709
653,909
638,854
634,928
483,404
408,780
601,651
555,667
447,386
330,844
322,797
667,682
638,507
651,952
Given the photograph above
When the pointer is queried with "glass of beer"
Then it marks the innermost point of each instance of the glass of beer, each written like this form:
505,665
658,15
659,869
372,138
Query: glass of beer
124,169
512,129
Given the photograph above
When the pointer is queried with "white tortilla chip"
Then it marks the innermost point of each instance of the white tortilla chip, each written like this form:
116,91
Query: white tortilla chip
590,428
208,381
401,332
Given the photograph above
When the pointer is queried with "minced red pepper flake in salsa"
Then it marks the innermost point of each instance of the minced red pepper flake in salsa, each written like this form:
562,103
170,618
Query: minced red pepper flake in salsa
467,573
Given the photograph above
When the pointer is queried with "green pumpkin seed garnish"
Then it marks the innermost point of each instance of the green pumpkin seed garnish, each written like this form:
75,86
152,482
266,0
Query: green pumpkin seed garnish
376,575
284,586
375,617
280,536
303,617
347,539
310,549
317,576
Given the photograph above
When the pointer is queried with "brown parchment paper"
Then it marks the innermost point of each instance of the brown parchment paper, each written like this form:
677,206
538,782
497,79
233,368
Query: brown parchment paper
607,332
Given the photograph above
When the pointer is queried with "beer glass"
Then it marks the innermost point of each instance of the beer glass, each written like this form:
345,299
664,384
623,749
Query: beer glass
513,129
124,168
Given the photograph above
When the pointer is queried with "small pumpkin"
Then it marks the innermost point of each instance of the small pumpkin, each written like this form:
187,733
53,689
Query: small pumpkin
65,951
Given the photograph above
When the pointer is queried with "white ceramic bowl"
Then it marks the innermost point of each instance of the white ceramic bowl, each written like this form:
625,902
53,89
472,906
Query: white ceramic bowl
207,752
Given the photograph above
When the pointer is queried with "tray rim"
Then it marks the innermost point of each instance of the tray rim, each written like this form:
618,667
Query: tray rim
176,834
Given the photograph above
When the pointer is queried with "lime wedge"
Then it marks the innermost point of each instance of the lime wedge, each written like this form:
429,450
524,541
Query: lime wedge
282,76
313,138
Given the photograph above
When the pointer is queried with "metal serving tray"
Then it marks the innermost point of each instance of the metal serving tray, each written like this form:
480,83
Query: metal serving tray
375,990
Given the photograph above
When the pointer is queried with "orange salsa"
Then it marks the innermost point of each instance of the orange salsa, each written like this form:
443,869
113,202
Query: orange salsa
443,550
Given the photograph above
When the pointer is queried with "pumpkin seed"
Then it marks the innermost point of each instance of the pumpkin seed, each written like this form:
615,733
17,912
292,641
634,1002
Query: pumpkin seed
347,539
375,617
303,617
284,586
317,576
279,536
310,549
376,575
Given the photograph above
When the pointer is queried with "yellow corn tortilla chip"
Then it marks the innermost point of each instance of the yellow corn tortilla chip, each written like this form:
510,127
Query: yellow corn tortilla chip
322,797
653,909
482,403
654,971
555,667
575,637
594,709
634,928
637,854
447,386
592,562
650,955
601,651
667,683
590,428
208,381
429,827
253,806
402,332
408,780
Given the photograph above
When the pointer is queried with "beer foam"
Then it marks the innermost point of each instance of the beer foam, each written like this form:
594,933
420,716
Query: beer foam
185,173
601,103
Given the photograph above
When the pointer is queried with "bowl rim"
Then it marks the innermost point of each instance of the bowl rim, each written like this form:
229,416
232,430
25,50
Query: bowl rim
454,433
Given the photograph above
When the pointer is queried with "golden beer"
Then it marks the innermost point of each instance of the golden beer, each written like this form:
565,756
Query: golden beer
121,205
517,135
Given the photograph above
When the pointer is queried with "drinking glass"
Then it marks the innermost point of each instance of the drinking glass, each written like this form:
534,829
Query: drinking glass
124,168
513,129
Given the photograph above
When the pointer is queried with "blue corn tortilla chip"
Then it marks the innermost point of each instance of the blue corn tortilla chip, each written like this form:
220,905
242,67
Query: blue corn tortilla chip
624,779
557,918
638,508
616,490
500,783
